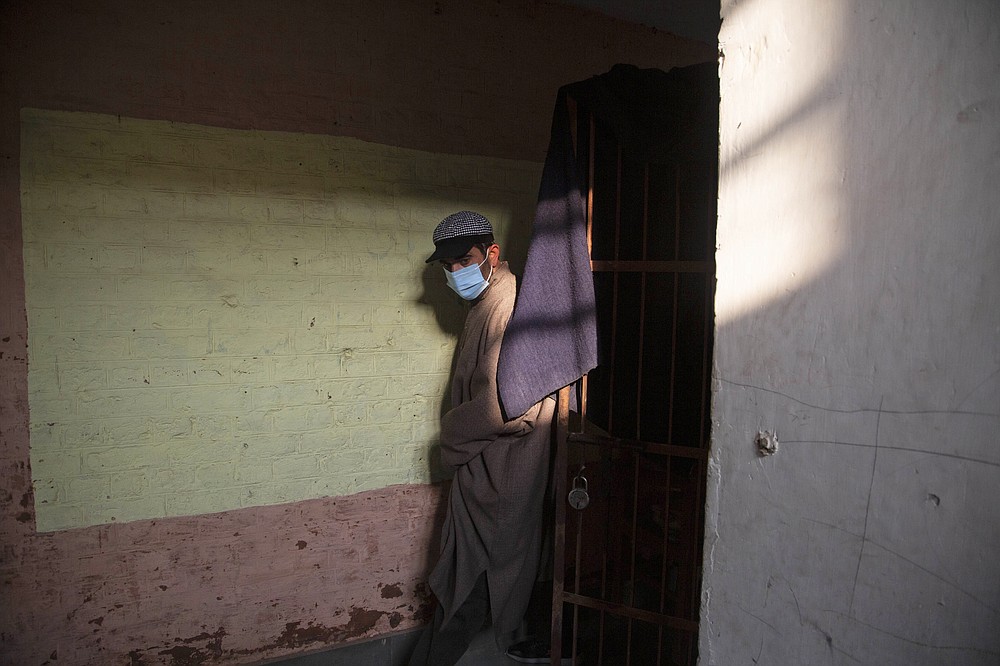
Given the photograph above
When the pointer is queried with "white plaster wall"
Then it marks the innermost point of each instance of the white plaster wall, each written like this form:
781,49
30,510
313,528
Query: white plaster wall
858,317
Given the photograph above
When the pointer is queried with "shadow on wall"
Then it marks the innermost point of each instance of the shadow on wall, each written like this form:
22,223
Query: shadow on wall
448,308
856,318
181,294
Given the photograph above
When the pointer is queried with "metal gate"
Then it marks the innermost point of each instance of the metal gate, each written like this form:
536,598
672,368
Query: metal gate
627,567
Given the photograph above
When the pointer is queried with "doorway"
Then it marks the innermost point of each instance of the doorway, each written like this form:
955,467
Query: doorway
628,562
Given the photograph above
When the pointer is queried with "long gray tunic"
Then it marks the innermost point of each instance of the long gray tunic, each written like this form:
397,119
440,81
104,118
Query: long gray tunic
494,518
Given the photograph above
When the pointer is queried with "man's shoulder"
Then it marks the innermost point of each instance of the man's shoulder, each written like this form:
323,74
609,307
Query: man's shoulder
506,283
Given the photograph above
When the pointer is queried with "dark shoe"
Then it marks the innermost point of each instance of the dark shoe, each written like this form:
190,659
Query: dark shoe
533,652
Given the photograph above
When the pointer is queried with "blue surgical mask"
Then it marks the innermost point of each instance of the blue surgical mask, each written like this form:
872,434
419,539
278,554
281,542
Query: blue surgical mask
468,282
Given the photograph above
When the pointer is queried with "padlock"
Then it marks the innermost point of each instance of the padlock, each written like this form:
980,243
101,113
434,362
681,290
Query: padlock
579,498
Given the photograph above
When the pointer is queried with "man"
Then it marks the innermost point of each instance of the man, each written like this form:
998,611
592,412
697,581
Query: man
492,535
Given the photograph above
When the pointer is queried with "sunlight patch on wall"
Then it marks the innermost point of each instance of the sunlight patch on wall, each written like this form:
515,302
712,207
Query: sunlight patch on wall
780,252
223,318
790,129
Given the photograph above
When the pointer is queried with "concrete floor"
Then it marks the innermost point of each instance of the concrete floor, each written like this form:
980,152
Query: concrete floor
395,651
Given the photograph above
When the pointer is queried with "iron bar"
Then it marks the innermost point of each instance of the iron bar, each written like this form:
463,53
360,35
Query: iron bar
576,579
559,556
591,159
608,441
652,266
666,550
622,610
642,301
673,322
630,593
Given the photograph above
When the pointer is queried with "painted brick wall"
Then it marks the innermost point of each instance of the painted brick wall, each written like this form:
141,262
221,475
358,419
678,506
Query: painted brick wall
221,318
473,80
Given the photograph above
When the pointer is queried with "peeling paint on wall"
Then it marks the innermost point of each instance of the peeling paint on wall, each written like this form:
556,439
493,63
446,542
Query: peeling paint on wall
246,571
221,585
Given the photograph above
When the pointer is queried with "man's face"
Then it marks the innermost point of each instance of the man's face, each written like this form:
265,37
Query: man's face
473,257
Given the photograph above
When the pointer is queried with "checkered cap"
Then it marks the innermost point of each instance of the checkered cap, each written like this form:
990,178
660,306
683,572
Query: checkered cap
462,223
458,232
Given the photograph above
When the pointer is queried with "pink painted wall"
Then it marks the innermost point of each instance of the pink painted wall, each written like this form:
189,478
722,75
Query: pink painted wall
463,77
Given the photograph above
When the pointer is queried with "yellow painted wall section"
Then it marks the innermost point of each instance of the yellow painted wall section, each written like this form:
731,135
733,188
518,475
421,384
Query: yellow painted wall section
226,318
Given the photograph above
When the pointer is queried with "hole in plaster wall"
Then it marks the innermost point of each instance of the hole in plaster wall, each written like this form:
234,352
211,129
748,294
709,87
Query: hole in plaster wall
767,442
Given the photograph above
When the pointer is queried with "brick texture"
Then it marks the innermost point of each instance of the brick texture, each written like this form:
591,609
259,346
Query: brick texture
236,326
188,193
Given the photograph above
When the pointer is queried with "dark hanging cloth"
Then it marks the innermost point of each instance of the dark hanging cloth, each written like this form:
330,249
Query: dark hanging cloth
551,339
